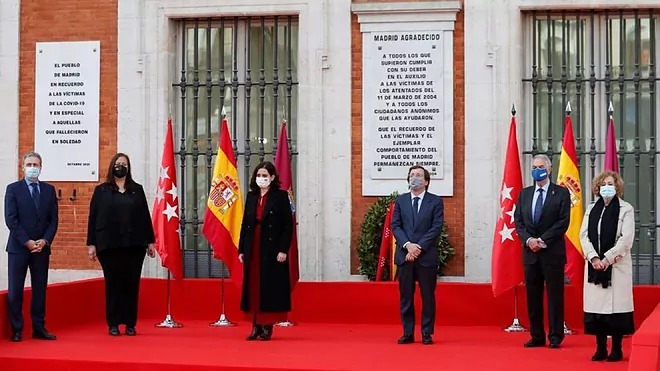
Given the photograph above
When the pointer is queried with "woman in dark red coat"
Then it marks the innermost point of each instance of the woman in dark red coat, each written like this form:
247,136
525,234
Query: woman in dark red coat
266,234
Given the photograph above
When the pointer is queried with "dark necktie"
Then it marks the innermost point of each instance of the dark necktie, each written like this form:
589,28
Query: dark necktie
415,207
35,194
538,207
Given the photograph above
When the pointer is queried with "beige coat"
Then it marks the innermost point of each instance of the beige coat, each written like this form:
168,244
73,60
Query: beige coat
618,298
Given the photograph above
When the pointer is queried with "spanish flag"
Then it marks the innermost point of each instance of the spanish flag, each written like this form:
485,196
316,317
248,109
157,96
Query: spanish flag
224,208
569,177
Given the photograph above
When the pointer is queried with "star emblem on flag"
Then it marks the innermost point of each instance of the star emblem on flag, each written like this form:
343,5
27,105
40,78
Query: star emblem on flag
507,233
506,264
510,213
506,226
170,211
506,193
159,195
165,217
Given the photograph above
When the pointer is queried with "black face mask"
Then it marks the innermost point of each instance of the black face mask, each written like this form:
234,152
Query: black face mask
120,171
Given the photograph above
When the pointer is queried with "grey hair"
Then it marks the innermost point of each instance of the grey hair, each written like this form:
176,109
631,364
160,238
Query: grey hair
32,154
548,162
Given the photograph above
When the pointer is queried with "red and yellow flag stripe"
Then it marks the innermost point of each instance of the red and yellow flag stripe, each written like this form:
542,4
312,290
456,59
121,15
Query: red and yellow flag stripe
568,176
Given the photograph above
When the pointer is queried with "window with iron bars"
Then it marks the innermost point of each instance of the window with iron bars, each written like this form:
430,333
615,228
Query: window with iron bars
592,58
247,66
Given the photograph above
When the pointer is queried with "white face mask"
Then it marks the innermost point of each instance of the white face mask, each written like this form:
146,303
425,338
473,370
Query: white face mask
607,191
32,172
263,182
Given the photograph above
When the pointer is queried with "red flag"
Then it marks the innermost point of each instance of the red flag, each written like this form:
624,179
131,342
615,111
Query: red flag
224,208
165,216
507,269
393,266
611,161
385,243
283,166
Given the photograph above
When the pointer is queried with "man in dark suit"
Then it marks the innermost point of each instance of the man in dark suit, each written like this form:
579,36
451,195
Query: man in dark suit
542,217
417,223
31,216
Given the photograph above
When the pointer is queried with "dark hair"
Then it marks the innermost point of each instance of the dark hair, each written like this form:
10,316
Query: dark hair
110,178
270,168
427,175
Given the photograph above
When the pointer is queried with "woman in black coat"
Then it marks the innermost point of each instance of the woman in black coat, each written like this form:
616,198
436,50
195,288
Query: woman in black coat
119,232
266,234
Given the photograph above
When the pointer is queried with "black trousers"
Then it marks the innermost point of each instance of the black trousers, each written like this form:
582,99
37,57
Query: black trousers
18,265
122,268
553,276
408,273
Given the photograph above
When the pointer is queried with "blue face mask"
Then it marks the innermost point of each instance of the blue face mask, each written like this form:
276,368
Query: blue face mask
32,173
539,175
607,191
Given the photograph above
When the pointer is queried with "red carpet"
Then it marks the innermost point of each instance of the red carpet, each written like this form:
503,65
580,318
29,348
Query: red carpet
341,326
303,347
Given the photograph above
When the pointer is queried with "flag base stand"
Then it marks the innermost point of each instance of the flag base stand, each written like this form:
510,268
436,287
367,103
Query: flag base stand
285,324
568,331
168,322
515,327
222,322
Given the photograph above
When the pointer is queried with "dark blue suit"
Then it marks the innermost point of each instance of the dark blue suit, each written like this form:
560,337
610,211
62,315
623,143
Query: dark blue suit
29,221
423,228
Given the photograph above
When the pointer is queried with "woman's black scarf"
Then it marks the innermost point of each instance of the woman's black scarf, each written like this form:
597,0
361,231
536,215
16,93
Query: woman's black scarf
608,228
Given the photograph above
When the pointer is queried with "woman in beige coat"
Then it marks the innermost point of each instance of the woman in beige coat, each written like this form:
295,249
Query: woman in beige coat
607,235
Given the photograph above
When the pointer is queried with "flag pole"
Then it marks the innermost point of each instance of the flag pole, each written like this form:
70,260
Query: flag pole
515,325
223,321
169,322
286,323
567,330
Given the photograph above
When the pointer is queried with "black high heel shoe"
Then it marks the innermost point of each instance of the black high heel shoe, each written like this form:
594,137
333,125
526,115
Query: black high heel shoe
267,333
257,330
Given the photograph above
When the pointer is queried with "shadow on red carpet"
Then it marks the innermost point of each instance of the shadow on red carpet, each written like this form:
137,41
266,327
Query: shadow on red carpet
303,347
339,326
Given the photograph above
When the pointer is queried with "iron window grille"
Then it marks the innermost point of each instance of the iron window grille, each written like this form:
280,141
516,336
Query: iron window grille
249,67
591,58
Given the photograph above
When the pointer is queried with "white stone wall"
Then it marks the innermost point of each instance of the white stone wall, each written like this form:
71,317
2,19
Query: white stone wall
9,31
493,74
146,70
9,156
